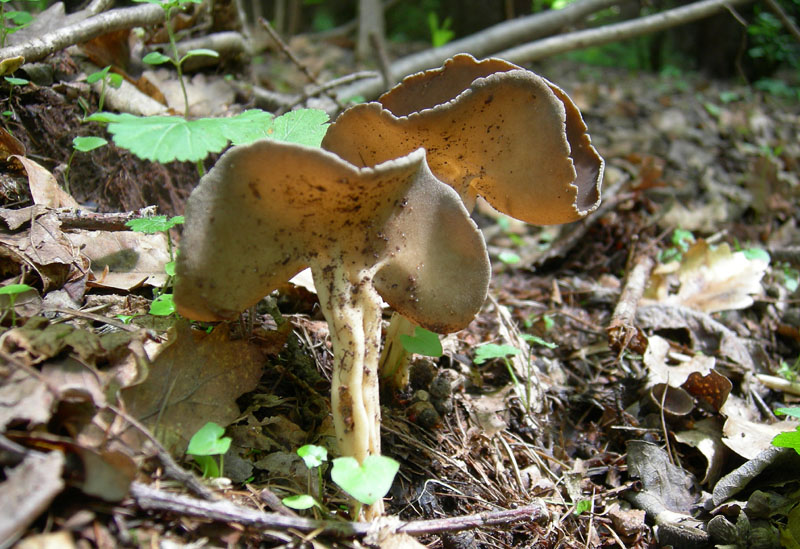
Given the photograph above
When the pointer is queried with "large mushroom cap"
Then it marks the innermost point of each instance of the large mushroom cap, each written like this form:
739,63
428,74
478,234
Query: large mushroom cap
489,128
269,209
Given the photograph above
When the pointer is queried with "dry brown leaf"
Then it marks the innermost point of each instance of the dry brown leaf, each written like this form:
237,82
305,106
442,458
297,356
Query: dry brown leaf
21,504
24,398
710,279
195,379
45,190
123,260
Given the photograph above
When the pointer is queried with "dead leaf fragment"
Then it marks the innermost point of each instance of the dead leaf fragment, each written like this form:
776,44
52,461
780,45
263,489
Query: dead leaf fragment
195,379
45,190
710,279
20,504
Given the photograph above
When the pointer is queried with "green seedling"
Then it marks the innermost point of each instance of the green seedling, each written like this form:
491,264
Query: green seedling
423,342
491,351
536,340
158,58
508,257
681,242
109,79
168,138
207,442
314,457
82,144
11,21
368,482
789,439
440,35
12,83
162,304
12,291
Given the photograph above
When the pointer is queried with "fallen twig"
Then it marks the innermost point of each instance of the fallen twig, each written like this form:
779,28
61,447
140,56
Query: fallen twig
153,499
103,23
94,221
622,330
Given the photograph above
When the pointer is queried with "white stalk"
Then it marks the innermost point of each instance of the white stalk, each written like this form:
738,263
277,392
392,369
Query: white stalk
352,308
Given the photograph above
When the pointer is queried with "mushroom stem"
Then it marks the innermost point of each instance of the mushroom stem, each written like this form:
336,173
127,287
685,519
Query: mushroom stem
352,307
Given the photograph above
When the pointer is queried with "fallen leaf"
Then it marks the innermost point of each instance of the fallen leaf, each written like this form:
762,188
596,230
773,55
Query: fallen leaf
21,504
124,260
45,190
193,380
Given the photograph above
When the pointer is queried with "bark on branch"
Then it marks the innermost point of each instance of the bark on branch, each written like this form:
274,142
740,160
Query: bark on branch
483,43
153,499
619,31
124,18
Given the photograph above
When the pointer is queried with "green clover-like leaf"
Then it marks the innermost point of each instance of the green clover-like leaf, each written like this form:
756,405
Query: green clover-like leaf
208,441
423,342
367,482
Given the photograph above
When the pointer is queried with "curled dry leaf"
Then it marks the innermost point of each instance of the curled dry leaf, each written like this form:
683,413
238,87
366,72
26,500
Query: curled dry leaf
490,129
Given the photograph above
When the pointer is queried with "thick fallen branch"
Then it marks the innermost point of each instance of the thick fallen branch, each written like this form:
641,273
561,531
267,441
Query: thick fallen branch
153,499
619,31
483,43
124,18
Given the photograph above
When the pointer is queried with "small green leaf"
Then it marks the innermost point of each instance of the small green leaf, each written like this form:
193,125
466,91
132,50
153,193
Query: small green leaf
156,58
125,319
17,81
201,52
154,224
88,143
169,268
790,439
114,80
163,305
14,289
530,338
367,482
582,506
21,18
303,126
508,257
99,75
300,502
682,239
490,351
423,342
208,441
794,412
313,455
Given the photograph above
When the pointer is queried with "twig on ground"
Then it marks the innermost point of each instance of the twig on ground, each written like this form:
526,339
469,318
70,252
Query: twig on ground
171,468
153,499
93,221
284,47
622,330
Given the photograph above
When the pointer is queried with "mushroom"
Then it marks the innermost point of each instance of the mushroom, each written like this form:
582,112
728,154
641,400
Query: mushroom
393,231
490,129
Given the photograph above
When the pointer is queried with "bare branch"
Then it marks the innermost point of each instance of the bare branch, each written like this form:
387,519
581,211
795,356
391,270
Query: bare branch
154,499
483,43
619,31
124,18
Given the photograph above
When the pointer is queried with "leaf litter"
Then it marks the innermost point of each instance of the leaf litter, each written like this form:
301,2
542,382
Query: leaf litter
600,430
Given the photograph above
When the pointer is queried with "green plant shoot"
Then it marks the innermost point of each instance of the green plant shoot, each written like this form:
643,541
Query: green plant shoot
314,457
13,291
82,144
111,79
440,35
206,442
157,58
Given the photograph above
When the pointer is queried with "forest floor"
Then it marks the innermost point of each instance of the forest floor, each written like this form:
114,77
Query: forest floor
640,414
